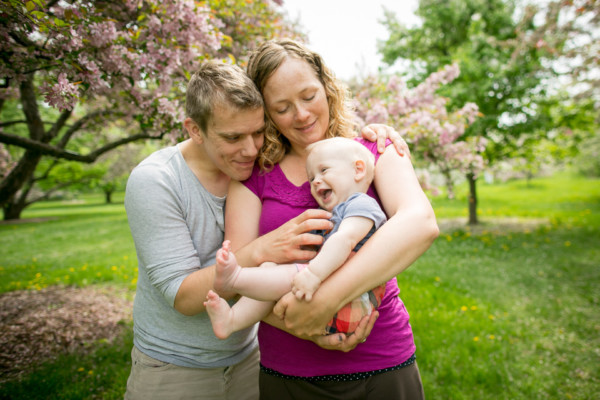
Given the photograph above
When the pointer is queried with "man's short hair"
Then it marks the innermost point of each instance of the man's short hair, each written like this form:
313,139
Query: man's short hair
218,84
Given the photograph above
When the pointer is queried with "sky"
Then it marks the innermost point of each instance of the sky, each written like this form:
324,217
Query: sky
345,32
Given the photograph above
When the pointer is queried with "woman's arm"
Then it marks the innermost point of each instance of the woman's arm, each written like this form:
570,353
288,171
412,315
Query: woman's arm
283,245
242,217
408,233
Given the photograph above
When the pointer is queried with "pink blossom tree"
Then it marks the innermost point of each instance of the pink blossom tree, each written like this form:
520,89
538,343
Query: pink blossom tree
89,77
420,115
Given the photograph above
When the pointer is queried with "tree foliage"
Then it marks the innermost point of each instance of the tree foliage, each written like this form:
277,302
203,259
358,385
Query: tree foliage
507,57
421,116
114,71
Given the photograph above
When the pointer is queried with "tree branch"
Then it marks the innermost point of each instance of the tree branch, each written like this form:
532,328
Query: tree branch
57,126
53,151
9,123
30,109
46,173
78,125
47,194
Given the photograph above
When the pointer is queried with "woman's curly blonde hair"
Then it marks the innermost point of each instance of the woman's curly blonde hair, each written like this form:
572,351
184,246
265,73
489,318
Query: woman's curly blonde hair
261,65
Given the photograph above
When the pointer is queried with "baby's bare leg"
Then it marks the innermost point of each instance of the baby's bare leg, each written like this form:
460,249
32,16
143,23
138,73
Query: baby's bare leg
268,282
226,320
227,269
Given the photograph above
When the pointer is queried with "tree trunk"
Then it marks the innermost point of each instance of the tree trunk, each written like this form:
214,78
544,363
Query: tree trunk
12,204
108,196
472,199
13,210
449,183
15,180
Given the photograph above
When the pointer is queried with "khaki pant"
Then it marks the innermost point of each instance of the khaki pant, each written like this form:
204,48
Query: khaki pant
154,379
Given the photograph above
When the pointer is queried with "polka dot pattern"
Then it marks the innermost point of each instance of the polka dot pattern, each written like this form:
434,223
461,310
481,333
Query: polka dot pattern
339,378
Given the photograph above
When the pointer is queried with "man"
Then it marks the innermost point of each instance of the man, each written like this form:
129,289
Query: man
175,205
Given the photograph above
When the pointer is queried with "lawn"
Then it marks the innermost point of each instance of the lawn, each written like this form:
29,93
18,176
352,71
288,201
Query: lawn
508,310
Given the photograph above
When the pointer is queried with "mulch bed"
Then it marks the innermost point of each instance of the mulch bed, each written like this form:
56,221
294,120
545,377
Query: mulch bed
37,326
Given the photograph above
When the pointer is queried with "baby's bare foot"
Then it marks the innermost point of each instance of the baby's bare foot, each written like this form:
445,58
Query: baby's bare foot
220,315
227,269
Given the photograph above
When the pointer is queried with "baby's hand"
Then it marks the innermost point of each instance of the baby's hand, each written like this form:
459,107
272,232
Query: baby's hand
305,284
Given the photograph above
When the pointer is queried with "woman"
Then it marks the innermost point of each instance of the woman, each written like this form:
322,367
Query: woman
304,104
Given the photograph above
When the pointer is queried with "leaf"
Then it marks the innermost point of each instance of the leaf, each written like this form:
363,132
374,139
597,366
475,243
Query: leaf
38,14
59,22
30,5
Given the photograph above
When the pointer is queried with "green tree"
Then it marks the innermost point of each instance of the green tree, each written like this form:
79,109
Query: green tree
117,166
498,73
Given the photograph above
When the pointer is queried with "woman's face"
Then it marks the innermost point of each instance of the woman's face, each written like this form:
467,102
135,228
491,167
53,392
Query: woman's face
296,101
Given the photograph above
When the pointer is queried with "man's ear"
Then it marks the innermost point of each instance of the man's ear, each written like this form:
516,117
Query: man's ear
360,170
193,130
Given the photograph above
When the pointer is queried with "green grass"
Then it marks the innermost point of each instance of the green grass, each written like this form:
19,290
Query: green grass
76,243
498,313
512,314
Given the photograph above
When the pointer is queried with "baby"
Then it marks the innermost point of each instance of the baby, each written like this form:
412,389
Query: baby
340,171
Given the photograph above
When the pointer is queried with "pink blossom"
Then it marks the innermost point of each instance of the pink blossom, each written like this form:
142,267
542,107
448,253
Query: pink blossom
6,161
62,95
421,115
377,114
170,108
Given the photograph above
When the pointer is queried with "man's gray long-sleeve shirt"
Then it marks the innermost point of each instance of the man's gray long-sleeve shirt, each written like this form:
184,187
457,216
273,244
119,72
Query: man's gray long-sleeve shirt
177,226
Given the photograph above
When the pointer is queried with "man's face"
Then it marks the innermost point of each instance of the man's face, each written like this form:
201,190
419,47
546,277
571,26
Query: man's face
233,139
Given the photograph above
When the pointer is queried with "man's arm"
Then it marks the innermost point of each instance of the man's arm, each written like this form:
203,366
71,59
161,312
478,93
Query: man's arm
163,240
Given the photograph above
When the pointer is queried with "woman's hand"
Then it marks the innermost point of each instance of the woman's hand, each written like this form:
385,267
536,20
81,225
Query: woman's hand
345,343
302,317
380,132
293,241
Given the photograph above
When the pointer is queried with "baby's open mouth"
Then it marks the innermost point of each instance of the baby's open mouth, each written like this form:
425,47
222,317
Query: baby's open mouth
324,194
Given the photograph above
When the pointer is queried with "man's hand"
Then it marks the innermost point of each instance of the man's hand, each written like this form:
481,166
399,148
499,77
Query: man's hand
380,132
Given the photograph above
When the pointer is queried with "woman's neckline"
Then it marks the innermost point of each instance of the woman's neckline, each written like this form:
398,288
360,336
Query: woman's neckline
280,170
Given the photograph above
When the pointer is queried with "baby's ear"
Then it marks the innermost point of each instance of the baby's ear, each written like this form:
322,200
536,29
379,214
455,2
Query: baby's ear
360,170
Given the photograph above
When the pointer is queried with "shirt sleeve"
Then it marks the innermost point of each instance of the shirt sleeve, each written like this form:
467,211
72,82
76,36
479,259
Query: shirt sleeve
158,226
365,206
254,183
372,146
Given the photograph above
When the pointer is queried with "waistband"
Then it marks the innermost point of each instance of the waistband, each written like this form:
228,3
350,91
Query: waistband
339,378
